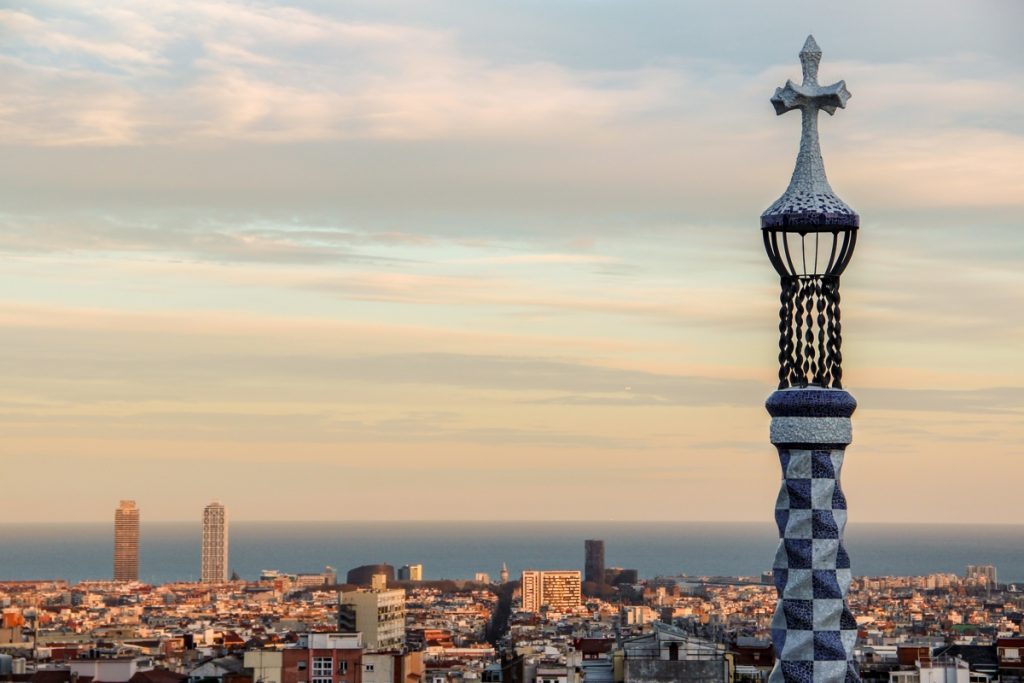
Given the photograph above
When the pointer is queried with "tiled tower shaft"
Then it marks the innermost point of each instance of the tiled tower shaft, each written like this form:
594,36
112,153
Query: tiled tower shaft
813,631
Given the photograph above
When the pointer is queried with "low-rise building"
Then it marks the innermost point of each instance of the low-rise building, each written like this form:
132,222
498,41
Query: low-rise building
378,615
668,654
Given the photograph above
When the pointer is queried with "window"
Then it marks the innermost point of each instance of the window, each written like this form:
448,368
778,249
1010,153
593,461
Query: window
302,667
322,680
368,668
1011,654
322,666
343,666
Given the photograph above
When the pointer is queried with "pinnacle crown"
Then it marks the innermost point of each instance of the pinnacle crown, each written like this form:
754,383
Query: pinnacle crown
809,200
810,47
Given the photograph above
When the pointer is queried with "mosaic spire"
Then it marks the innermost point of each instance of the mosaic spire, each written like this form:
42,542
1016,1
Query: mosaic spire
809,234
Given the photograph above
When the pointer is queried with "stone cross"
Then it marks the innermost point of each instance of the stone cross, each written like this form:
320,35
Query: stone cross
809,191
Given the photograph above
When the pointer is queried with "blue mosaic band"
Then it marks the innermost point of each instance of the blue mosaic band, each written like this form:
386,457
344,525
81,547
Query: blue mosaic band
813,630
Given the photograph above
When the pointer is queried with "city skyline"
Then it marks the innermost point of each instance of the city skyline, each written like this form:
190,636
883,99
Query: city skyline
476,245
173,551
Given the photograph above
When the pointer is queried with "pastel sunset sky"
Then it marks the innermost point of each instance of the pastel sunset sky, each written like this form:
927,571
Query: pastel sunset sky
394,259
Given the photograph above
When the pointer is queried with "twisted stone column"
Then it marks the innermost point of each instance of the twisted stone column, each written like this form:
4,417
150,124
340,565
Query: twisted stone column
813,631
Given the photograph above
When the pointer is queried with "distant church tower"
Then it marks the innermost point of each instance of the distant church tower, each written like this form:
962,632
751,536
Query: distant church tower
504,573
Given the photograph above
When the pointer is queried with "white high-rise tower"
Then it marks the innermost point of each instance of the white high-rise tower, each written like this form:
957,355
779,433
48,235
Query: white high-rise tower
215,543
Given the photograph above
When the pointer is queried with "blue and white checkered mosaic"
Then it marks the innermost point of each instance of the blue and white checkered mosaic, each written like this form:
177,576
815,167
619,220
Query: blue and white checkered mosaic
813,631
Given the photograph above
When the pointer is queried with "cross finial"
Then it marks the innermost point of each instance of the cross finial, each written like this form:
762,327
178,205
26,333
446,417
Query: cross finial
809,193
809,94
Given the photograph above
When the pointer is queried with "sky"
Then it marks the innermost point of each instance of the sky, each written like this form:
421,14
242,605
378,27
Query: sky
403,259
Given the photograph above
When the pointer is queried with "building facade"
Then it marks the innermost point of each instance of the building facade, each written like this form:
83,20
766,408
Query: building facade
215,544
378,615
1010,654
315,658
670,655
615,576
593,568
934,670
126,541
267,665
559,591
981,572
393,667
363,576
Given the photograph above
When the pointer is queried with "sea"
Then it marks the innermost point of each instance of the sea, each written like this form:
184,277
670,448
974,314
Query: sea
169,551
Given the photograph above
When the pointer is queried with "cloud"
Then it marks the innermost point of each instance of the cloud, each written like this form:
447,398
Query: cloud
217,71
83,372
92,369
494,230
990,400
184,425
206,239
542,258
209,73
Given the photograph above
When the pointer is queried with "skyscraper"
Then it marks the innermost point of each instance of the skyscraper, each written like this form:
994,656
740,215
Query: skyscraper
594,557
215,543
126,542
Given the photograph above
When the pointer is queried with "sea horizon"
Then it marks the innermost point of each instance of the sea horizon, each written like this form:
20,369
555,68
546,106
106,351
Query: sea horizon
169,550
197,520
